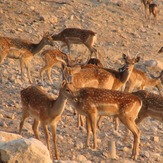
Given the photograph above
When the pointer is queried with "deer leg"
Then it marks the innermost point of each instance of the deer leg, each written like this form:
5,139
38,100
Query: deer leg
49,75
45,127
53,128
24,116
28,70
35,128
93,126
99,121
130,124
22,67
141,117
88,125
80,120
91,49
116,120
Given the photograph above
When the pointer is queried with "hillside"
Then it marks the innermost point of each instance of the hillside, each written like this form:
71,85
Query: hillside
119,29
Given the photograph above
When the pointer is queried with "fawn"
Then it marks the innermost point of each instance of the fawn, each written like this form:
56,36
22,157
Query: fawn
22,50
44,109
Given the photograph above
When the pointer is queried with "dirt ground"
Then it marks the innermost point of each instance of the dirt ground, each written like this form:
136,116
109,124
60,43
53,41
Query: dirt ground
120,29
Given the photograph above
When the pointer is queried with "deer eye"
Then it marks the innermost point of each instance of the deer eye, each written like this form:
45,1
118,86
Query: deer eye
67,90
76,99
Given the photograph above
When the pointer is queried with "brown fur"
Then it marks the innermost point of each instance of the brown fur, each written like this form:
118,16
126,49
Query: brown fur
76,36
161,50
94,102
139,79
36,103
22,50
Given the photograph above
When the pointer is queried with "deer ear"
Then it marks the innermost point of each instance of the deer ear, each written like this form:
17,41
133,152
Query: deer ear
137,59
76,99
124,56
63,83
46,34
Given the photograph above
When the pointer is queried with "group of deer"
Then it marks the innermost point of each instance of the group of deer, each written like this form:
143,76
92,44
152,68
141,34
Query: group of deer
25,50
93,91
150,8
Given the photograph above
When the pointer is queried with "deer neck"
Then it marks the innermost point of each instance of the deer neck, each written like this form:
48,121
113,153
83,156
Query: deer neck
152,82
125,75
57,37
35,48
58,105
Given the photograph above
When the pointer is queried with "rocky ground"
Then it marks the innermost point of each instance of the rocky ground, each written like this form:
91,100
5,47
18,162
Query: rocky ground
120,29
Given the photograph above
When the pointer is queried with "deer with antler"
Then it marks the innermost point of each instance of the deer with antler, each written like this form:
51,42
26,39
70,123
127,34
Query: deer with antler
94,102
22,50
77,36
99,77
37,104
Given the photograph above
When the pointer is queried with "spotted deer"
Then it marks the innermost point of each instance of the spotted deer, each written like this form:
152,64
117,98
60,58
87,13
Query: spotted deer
22,50
94,102
140,80
53,56
161,50
99,77
152,106
153,9
77,36
37,104
145,5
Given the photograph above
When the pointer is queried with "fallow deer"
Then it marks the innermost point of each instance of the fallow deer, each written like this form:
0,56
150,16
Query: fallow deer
44,109
145,5
99,77
152,106
139,79
161,50
77,36
51,57
94,102
153,9
22,50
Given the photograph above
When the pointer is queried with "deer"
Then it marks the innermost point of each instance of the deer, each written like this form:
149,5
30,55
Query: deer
153,9
145,5
94,102
99,77
77,36
161,50
152,106
23,50
37,104
139,79
53,56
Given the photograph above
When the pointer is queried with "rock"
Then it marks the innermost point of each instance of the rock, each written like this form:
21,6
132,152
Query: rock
3,124
1,116
9,136
125,149
81,158
146,154
155,138
79,145
151,63
24,150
